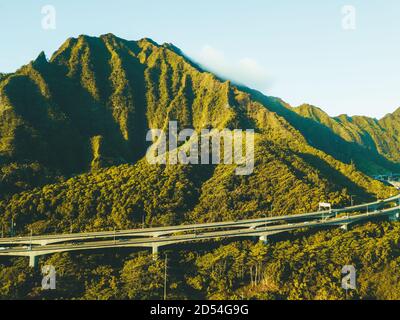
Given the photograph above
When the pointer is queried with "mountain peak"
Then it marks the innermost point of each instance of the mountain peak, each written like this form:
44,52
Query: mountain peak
108,35
40,60
311,111
149,40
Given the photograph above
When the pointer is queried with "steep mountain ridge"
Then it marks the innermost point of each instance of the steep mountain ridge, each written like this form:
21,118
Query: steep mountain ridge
89,108
375,135
322,132
106,92
72,146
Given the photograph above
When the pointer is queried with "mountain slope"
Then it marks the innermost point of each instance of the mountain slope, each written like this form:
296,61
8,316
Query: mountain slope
377,136
90,107
324,133
72,146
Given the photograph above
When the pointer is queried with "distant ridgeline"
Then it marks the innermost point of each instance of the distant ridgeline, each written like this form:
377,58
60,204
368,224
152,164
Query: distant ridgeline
88,109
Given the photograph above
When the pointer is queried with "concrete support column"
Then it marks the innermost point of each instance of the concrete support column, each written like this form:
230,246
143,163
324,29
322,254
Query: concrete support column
264,239
344,227
155,252
33,261
394,217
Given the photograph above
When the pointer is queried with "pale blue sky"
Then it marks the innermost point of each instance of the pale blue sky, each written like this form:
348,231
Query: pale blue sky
293,49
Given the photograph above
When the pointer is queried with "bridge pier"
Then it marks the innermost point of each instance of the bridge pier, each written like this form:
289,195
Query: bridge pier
394,217
33,261
155,252
264,239
344,227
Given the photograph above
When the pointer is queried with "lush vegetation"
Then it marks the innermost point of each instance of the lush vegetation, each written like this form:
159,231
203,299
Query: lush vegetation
306,267
379,136
91,105
72,141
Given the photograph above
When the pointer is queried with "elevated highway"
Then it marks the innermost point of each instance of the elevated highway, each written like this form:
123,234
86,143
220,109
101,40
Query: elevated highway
154,238
163,231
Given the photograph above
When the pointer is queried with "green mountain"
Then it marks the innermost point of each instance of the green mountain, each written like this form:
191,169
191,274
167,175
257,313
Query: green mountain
89,108
72,145
91,105
377,136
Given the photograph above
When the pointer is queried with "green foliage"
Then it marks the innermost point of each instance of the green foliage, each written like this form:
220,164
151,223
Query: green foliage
308,266
118,197
143,278
72,146
102,285
374,136
15,178
16,281
91,105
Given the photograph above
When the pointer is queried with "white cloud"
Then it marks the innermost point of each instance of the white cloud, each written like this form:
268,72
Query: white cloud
245,71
